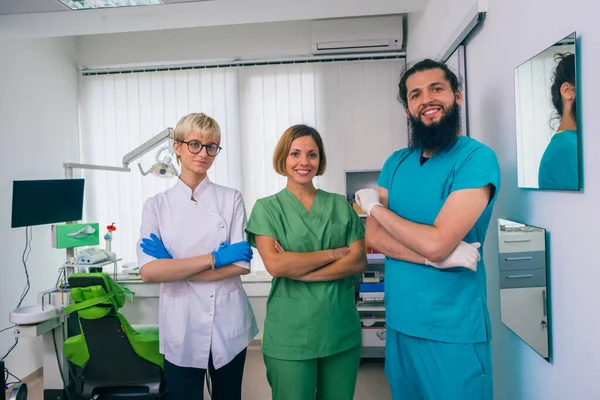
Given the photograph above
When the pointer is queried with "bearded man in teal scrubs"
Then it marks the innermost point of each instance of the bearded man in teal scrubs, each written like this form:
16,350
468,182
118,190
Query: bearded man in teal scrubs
433,205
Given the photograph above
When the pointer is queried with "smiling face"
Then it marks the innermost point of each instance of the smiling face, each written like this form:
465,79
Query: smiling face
302,162
430,96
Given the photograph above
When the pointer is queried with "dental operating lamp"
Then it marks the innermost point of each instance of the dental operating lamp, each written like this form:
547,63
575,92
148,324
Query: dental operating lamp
132,156
162,168
147,146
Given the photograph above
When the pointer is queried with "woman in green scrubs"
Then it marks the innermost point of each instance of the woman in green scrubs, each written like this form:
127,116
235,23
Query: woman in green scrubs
312,243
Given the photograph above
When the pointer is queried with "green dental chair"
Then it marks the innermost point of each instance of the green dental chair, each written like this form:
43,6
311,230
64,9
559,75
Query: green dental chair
116,360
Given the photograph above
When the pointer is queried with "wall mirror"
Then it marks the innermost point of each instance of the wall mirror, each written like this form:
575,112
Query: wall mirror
523,283
546,117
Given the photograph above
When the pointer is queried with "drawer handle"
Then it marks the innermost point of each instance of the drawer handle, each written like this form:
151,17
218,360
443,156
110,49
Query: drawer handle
517,241
519,276
518,258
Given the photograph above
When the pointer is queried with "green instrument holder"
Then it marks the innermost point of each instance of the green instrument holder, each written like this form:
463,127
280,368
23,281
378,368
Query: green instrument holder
61,240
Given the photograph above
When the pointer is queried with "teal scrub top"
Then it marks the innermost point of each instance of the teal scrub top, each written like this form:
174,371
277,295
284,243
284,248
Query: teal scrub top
447,305
559,168
307,320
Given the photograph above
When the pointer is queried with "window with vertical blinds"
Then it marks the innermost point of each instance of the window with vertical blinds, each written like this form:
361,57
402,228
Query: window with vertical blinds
351,103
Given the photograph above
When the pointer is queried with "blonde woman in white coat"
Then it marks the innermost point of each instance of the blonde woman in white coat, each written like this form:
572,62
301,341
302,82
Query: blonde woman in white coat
193,243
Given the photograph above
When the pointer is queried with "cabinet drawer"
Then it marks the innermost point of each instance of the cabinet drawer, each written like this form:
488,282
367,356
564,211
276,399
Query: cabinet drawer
370,338
524,260
522,278
517,242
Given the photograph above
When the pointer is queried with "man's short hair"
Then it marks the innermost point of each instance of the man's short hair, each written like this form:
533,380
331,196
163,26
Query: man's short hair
564,72
426,65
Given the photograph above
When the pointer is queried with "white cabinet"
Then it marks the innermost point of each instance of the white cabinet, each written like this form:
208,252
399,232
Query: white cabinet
372,315
523,283
373,330
517,242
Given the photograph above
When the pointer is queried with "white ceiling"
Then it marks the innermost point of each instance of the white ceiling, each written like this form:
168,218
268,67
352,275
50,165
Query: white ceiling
39,6
30,6
36,23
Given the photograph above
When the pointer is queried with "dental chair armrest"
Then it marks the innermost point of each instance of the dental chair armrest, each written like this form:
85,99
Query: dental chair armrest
146,328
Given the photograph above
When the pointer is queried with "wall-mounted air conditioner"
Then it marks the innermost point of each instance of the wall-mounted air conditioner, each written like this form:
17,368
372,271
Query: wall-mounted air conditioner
357,35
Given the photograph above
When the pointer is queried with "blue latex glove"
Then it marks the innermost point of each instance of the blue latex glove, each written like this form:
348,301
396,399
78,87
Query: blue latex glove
227,255
154,247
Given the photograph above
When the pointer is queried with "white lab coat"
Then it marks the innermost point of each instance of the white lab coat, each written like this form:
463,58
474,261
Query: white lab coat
196,318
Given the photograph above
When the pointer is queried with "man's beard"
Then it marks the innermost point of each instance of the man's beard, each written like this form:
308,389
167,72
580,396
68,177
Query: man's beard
439,135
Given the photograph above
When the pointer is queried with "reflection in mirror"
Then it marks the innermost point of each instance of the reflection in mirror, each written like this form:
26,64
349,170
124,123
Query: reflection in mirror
546,117
523,283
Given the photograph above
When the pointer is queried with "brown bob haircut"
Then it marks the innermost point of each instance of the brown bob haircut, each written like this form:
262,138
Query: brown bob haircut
285,144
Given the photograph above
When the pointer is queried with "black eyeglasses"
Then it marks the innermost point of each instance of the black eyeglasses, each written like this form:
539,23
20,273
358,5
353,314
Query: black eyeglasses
195,147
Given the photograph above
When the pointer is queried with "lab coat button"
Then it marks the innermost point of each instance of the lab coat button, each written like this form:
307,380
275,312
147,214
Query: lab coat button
211,295
212,213
210,314
195,204
222,225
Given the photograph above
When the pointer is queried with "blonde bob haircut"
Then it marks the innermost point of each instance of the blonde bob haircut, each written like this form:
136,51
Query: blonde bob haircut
198,123
285,144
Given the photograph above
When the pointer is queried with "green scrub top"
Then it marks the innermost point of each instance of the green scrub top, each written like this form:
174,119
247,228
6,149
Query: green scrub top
307,320
446,305
559,167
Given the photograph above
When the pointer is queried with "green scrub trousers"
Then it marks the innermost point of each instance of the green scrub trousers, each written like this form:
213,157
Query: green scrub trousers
327,378
312,333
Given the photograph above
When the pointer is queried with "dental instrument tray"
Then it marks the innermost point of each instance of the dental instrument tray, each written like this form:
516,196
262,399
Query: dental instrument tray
100,264
29,315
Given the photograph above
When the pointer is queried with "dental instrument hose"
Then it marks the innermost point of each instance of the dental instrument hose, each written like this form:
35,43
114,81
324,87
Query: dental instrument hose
11,349
9,374
24,258
5,329
5,370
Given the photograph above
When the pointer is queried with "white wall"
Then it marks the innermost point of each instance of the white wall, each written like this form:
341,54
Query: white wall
277,39
223,44
38,126
432,31
514,31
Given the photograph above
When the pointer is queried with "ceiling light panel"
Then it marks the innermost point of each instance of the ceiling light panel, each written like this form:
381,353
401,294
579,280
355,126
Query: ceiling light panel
89,4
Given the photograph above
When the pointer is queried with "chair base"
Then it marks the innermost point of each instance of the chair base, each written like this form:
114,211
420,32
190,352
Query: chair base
137,391
54,394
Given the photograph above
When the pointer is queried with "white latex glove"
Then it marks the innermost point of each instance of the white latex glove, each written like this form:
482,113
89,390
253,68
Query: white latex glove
464,255
366,199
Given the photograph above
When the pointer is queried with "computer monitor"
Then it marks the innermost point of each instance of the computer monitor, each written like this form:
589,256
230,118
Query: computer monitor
49,201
